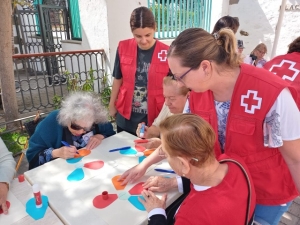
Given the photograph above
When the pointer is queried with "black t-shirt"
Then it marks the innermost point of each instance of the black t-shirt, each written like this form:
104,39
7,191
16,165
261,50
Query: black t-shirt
139,103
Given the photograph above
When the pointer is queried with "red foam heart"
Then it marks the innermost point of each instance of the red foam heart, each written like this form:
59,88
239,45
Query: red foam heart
139,148
137,189
8,205
95,165
100,203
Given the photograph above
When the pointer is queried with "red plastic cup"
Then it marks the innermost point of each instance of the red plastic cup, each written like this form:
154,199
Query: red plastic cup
21,178
105,195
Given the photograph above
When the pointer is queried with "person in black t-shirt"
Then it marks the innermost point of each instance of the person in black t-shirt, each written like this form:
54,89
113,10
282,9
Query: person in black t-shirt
143,28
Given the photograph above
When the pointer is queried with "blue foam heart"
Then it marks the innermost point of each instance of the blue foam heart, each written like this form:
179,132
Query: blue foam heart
141,158
76,175
73,160
130,151
136,203
33,211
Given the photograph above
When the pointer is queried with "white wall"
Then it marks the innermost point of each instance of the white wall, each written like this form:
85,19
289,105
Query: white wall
118,16
259,19
93,17
219,8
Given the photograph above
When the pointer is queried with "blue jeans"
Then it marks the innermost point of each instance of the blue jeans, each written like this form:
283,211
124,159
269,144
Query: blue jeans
270,214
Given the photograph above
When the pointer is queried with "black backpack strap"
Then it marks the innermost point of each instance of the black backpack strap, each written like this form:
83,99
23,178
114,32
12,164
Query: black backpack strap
249,188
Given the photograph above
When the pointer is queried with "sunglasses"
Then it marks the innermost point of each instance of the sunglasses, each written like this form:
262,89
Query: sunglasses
74,126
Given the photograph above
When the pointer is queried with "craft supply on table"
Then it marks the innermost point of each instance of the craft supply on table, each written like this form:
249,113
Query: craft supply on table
142,130
164,171
119,149
67,144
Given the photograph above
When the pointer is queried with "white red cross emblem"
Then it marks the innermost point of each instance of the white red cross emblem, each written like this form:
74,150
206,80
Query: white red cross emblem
251,101
290,72
162,55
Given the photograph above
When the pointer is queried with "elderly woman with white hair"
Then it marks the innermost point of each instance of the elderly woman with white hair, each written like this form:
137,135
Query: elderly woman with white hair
81,122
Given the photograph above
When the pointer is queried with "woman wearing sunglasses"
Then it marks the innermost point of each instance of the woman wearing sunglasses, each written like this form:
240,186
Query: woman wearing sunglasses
253,113
218,192
81,122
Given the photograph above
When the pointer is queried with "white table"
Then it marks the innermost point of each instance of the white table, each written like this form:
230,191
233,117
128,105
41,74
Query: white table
72,201
19,194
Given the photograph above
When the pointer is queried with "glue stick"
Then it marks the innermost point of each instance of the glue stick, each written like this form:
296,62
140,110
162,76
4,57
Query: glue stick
142,130
37,195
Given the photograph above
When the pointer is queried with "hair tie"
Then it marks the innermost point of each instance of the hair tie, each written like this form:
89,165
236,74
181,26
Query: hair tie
216,35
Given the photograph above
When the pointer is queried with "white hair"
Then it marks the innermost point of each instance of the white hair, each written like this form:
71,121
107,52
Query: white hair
82,106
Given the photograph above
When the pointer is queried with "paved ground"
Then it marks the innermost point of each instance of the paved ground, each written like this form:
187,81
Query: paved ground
292,217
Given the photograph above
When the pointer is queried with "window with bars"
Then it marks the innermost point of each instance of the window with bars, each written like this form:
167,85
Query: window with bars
56,16
174,16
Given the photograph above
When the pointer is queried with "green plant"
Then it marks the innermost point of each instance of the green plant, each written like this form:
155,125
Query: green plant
15,141
74,83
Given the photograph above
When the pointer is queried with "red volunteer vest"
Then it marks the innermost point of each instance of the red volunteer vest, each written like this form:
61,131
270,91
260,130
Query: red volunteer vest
288,68
254,94
157,71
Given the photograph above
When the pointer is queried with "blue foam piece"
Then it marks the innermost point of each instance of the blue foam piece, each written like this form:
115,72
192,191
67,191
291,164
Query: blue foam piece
33,211
130,151
73,160
76,175
141,158
136,203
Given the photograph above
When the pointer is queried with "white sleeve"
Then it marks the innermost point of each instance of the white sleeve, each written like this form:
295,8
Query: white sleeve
248,60
179,184
164,113
157,211
282,122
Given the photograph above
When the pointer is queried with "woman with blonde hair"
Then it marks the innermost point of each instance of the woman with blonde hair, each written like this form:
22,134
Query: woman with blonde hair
256,57
247,108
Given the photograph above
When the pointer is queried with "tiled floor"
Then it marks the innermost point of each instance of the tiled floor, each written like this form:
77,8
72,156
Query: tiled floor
292,217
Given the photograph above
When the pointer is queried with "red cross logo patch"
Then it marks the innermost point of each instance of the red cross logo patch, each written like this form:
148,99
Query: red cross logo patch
290,72
162,55
251,101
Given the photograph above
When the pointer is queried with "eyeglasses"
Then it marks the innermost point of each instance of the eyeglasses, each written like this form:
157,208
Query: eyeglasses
261,52
179,78
74,126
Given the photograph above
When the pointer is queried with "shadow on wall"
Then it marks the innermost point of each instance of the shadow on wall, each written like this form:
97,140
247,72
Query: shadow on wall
255,20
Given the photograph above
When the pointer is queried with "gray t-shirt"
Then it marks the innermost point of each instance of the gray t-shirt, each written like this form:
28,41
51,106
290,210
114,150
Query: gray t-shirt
139,103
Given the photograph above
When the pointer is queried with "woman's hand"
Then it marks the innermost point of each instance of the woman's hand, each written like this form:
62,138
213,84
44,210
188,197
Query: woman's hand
152,143
133,174
160,184
112,110
138,129
3,196
94,141
64,152
150,200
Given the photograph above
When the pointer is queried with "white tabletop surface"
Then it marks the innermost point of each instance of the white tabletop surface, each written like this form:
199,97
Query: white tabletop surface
73,201
19,194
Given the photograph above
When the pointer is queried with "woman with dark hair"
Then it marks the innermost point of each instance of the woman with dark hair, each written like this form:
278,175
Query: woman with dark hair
140,66
288,66
227,21
81,122
252,112
220,192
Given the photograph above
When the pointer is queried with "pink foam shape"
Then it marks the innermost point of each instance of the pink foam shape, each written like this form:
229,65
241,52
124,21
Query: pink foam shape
95,165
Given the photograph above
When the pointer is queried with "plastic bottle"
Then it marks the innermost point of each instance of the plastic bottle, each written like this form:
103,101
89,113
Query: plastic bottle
37,195
142,130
